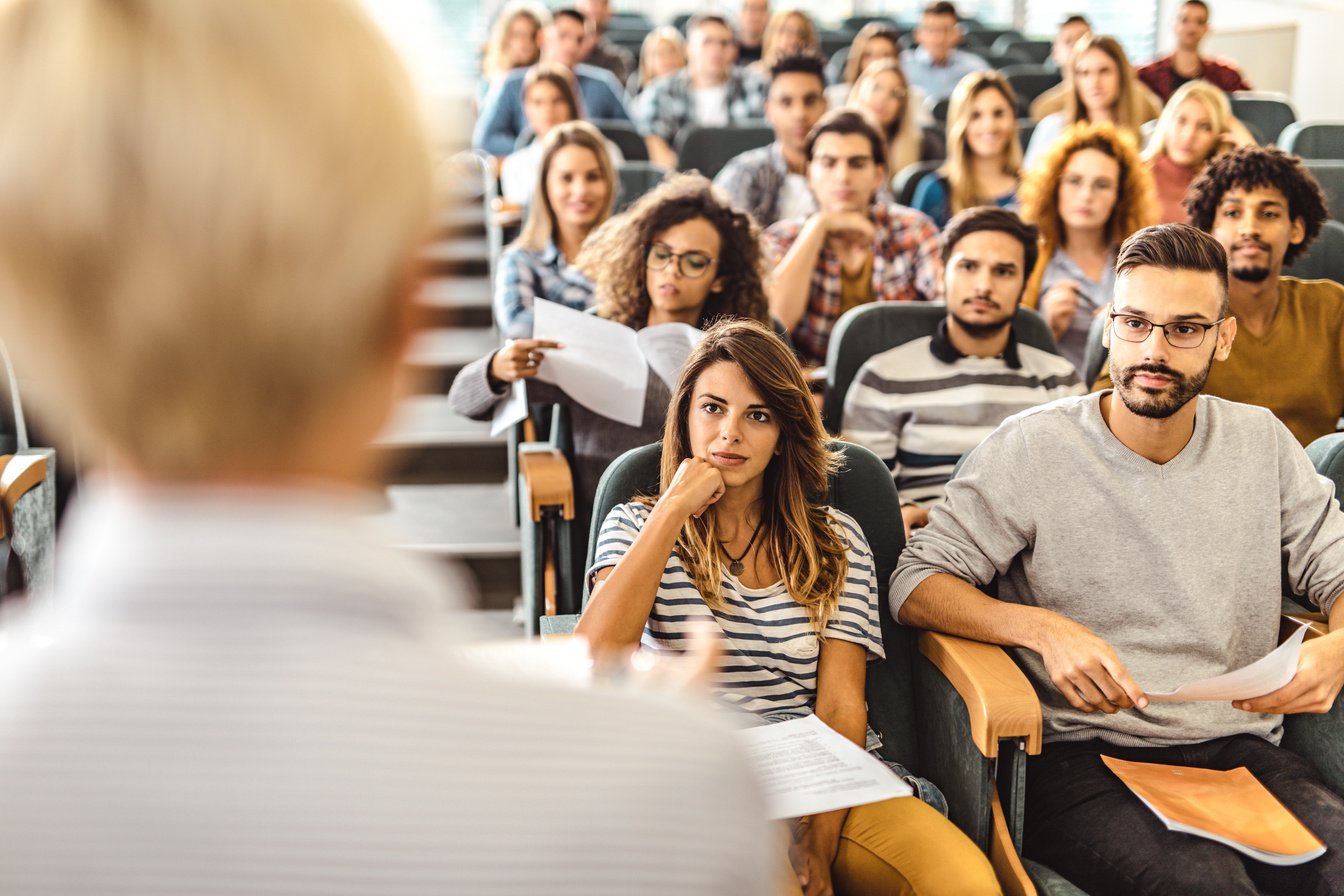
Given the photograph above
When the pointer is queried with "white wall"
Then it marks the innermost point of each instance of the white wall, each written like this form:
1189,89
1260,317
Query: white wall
1260,33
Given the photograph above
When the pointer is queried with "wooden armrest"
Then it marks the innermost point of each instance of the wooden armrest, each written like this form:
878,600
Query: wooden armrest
1007,864
545,470
999,699
19,474
1289,622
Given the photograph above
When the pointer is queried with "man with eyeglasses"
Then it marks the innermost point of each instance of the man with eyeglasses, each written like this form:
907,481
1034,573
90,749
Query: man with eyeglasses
1137,538
853,250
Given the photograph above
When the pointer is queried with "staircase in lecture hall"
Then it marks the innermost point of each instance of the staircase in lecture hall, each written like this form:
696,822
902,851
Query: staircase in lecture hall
447,475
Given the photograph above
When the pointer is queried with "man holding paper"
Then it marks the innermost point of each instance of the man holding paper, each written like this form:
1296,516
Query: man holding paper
1138,536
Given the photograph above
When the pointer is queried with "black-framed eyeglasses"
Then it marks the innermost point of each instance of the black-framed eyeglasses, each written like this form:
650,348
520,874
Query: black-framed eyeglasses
1179,333
691,264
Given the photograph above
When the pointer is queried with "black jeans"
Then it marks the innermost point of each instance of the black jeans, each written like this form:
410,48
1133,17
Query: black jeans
1083,822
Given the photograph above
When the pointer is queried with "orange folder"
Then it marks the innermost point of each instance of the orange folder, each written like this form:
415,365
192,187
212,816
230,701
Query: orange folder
1230,807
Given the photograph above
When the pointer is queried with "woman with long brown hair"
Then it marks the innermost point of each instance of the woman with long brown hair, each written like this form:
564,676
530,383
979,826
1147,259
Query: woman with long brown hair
737,541
1105,89
680,254
1086,196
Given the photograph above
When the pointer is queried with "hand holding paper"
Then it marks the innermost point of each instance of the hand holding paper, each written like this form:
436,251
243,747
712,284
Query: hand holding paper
1262,677
1315,684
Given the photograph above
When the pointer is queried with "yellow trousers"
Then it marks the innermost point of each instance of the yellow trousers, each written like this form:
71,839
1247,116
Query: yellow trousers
904,846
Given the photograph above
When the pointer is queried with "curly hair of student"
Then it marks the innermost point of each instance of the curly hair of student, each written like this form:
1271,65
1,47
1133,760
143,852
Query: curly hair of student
614,255
1254,166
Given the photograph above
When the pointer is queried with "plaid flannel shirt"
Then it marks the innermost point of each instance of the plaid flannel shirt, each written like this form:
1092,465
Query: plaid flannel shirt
525,276
907,267
667,106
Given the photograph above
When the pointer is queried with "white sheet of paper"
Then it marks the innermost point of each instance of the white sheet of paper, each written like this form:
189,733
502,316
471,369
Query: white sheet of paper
556,660
511,410
601,366
805,767
666,348
1265,675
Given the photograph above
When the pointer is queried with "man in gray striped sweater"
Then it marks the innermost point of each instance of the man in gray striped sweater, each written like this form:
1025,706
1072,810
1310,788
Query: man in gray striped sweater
208,227
922,405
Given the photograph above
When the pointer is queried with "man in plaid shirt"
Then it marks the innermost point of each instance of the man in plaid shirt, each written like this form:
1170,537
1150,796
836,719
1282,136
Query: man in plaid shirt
707,92
852,251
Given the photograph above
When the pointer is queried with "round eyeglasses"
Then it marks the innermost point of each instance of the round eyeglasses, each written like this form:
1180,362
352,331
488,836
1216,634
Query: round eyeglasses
1179,333
691,264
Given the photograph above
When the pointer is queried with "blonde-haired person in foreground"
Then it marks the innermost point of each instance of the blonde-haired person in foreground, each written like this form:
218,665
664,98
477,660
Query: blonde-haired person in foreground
736,526
209,216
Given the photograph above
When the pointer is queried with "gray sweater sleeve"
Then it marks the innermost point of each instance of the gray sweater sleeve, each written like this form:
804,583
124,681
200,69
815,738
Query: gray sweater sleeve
981,527
471,395
1313,526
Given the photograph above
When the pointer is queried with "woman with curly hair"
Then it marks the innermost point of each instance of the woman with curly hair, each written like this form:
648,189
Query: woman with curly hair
1104,89
680,254
1086,195
738,542
984,155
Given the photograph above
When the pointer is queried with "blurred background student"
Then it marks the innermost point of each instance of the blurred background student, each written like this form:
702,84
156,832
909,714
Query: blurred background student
1194,129
662,53
883,92
515,42
788,33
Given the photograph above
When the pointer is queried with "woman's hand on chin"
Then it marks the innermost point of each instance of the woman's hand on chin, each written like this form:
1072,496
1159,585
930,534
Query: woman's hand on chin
696,486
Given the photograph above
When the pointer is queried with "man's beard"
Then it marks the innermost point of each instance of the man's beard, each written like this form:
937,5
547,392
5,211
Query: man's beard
1162,404
1250,275
982,330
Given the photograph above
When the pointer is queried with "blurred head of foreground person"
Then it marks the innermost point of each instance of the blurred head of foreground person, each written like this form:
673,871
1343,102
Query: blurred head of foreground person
210,213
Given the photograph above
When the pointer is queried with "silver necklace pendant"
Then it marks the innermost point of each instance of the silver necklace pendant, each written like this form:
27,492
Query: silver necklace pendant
736,568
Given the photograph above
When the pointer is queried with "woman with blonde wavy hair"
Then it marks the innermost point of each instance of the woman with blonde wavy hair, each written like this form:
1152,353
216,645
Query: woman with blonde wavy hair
1089,193
680,254
984,157
1195,127
884,92
1104,89
738,542
788,33
514,42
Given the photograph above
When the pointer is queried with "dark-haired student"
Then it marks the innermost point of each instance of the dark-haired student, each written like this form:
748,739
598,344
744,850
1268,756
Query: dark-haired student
1163,76
1265,208
936,65
922,405
501,119
856,248
771,182
1139,539
710,91
734,543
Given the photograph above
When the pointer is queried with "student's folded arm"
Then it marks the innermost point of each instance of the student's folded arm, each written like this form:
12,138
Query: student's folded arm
475,393
788,285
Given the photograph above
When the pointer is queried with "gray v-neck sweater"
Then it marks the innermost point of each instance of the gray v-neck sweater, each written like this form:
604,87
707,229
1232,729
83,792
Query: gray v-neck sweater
1177,565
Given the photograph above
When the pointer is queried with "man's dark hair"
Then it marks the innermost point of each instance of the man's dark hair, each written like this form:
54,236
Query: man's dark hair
1254,166
699,20
941,8
800,64
1075,18
849,121
1175,247
999,220
1200,3
569,12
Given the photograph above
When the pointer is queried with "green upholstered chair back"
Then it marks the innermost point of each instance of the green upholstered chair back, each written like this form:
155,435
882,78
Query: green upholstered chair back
871,329
863,489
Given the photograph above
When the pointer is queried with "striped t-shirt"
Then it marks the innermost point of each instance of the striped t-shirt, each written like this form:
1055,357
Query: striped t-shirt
771,649
920,412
